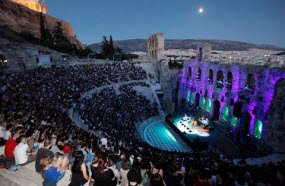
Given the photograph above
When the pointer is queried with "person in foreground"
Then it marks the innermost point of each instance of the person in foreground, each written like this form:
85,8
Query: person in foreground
79,171
53,170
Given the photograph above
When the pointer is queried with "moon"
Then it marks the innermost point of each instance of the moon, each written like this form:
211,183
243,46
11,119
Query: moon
201,10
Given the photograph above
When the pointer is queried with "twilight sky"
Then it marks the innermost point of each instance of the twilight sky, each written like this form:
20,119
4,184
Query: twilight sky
257,21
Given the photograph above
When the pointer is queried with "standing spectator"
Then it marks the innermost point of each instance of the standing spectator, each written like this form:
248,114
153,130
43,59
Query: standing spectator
79,170
124,172
156,176
103,176
134,178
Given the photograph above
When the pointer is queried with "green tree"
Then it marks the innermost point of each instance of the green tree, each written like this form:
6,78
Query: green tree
61,42
46,37
104,47
111,47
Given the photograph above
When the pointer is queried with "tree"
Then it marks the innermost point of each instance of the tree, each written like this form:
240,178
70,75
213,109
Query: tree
46,37
104,47
111,46
61,42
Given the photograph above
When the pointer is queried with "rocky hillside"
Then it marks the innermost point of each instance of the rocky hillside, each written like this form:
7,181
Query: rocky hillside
19,19
224,45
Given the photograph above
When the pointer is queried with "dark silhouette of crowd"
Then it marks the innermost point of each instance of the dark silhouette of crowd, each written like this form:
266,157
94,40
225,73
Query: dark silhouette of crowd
34,117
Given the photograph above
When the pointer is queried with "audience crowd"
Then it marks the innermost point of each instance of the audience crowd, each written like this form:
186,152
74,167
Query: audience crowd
35,126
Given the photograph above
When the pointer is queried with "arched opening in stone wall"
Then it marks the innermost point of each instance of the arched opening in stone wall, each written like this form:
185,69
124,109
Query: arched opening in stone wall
197,99
258,129
245,123
192,98
216,110
208,105
225,114
210,76
189,73
220,79
229,80
198,74
234,121
203,102
250,82
188,96
238,109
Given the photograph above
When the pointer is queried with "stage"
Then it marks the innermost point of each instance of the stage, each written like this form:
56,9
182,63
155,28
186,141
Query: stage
200,134
196,132
193,127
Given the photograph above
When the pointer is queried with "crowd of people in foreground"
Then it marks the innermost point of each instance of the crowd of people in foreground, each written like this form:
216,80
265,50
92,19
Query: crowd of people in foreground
34,126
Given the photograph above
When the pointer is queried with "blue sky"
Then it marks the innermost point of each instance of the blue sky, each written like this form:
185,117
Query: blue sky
257,21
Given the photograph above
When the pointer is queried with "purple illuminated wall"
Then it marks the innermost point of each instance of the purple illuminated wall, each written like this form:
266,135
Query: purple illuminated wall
255,101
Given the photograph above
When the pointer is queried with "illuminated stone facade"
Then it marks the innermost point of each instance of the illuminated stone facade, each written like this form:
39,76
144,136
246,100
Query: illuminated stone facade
36,5
238,96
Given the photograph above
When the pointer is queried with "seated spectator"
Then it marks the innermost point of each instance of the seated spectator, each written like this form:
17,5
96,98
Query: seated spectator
79,170
8,159
54,149
66,148
7,133
23,153
44,151
11,145
53,170
2,132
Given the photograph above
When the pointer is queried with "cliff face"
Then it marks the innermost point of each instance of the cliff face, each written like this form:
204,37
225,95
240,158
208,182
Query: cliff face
20,19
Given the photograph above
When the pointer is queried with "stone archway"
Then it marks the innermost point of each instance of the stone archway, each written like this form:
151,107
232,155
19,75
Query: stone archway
216,110
210,76
189,73
220,79
198,74
245,123
238,109
229,80
197,99
250,81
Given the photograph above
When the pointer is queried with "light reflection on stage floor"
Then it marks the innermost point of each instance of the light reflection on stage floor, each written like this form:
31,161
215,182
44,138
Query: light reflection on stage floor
157,134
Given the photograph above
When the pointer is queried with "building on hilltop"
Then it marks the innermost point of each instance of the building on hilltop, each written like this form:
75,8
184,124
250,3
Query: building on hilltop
36,5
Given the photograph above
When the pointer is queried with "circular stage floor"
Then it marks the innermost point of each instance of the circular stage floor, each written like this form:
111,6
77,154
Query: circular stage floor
157,134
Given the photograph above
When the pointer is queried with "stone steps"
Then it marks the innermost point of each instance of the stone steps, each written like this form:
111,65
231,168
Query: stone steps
27,176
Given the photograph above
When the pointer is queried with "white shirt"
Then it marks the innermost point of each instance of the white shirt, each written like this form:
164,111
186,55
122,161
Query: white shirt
7,135
20,153
104,141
